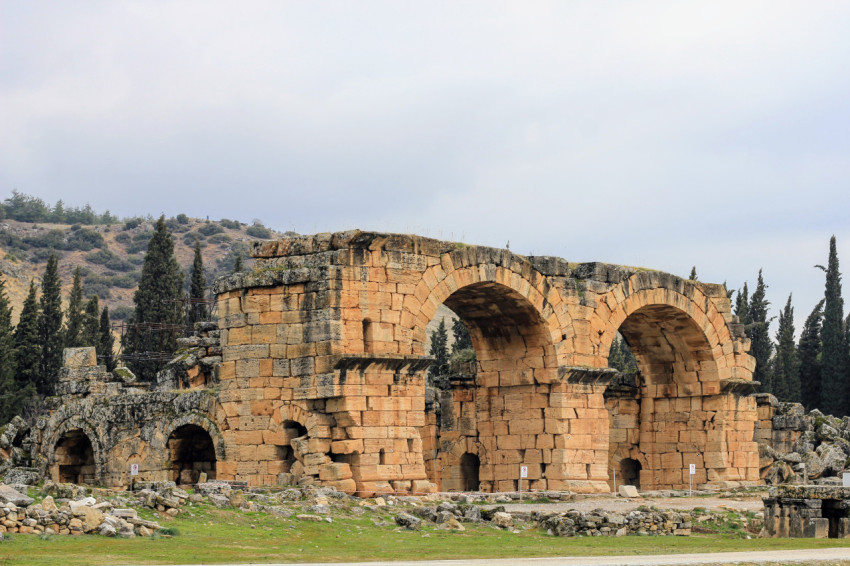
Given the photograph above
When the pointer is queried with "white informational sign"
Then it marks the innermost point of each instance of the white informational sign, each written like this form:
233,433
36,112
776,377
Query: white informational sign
693,469
134,469
845,479
523,471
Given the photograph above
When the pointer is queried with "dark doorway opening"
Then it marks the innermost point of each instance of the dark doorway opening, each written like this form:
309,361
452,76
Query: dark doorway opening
75,458
192,452
469,466
287,455
629,473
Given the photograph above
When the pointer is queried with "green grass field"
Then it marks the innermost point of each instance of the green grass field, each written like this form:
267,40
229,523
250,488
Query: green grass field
222,536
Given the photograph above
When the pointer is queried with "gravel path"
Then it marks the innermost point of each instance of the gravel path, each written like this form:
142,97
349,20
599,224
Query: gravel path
622,505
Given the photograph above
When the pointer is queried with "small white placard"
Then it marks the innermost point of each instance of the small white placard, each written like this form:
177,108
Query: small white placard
693,469
845,479
523,471
134,469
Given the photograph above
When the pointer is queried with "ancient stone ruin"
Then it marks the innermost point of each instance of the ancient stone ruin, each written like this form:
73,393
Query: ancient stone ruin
807,512
316,373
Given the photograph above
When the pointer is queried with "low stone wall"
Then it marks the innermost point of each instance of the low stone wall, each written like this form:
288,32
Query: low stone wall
603,523
807,512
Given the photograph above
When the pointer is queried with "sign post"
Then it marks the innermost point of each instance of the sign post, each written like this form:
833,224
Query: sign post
523,473
134,471
693,471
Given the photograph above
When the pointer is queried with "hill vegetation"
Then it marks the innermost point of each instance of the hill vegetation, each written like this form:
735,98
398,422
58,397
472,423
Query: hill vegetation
108,251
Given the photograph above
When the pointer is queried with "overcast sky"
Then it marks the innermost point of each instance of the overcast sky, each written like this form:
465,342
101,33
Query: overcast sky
660,134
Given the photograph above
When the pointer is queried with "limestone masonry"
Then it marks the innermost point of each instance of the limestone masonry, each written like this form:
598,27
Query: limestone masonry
316,373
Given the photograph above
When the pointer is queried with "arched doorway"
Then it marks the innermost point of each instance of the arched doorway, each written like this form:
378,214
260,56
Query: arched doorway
496,408
677,370
469,465
191,452
74,459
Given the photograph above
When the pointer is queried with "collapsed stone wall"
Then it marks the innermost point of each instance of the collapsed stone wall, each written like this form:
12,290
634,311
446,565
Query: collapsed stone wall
800,447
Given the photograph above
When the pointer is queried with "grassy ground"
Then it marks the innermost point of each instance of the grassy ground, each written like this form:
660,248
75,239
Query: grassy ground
218,536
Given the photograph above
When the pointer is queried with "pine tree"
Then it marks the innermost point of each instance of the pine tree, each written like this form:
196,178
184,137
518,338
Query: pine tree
106,341
786,366
90,333
157,301
758,331
742,305
462,339
197,287
27,346
809,354
10,401
439,351
50,334
833,386
75,316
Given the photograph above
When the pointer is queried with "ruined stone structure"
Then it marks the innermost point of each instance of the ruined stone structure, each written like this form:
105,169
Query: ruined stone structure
807,512
323,367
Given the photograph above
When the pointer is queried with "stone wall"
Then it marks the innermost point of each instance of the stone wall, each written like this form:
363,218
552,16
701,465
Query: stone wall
328,324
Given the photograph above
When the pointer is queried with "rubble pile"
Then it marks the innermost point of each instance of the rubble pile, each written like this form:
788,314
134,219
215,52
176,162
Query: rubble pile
800,447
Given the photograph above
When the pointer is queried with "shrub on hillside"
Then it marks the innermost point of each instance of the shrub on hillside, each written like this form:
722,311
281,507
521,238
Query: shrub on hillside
209,229
260,232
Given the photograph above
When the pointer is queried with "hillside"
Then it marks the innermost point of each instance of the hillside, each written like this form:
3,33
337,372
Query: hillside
110,256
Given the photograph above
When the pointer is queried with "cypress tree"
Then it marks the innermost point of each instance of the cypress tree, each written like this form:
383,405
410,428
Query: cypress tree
439,350
757,331
809,354
197,287
106,341
629,359
693,275
10,401
786,370
90,332
463,341
75,315
615,356
833,384
742,305
157,301
27,346
50,334
237,264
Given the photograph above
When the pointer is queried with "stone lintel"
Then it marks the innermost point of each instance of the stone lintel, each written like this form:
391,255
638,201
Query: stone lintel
586,375
393,362
741,387
803,492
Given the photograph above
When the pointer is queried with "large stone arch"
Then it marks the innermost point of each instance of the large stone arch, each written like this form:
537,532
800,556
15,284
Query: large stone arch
693,366
56,435
523,289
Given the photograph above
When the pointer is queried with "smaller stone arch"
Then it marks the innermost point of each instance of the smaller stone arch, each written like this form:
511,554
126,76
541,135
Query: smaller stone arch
81,436
160,444
201,421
